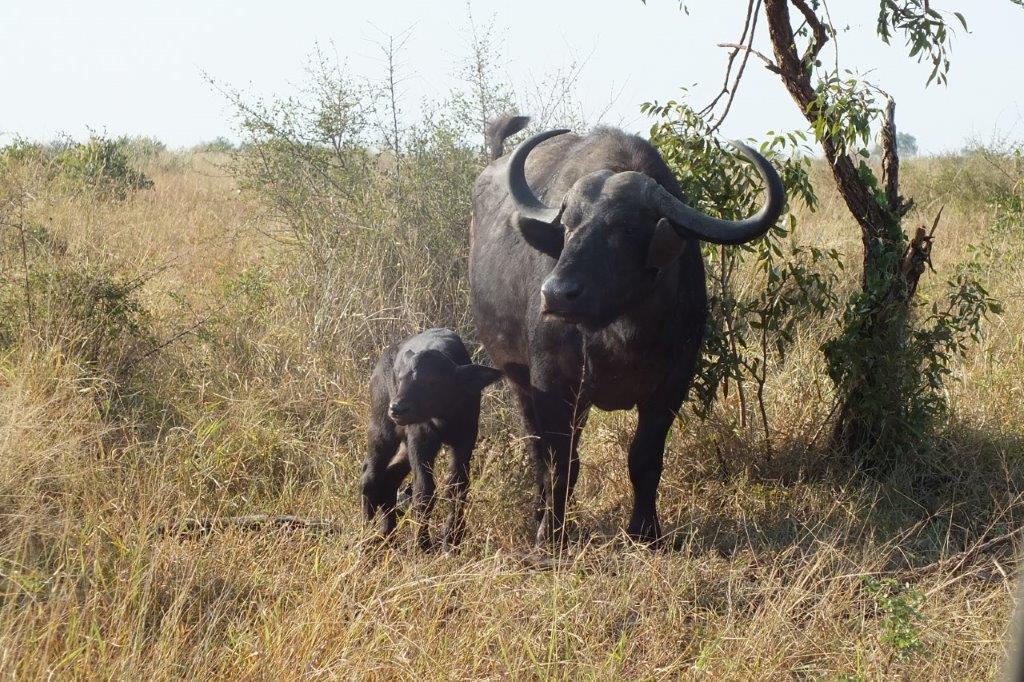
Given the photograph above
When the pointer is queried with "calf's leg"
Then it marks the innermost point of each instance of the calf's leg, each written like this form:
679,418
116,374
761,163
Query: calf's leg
458,487
385,466
423,444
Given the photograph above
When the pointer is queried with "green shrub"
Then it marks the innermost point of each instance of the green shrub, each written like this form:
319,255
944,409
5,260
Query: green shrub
901,621
22,151
102,165
218,145
91,312
750,328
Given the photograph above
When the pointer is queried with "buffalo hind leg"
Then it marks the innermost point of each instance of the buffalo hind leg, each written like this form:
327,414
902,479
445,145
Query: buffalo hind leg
458,488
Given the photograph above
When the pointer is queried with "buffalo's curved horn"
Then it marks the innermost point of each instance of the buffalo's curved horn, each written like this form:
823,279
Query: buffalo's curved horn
690,222
527,203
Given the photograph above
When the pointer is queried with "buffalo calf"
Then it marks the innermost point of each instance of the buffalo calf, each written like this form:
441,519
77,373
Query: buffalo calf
424,393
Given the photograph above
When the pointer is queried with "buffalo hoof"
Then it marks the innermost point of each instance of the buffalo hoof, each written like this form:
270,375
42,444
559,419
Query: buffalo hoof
423,541
451,537
388,523
449,547
404,503
645,530
550,535
540,559
378,543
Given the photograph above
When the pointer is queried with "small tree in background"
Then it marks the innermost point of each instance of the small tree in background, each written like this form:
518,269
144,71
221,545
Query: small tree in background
906,144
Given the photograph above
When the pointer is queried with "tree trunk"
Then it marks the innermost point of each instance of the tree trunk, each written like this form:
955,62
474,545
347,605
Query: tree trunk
865,360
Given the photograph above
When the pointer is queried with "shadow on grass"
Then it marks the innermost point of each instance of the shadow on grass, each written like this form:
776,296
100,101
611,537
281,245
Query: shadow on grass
962,487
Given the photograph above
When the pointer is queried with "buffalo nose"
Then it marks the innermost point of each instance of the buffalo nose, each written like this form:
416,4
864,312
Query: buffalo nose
559,291
397,409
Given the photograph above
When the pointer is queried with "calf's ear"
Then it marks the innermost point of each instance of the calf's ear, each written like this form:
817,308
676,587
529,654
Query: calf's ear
666,244
476,377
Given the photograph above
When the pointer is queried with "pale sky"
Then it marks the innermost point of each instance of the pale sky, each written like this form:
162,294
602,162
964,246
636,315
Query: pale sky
136,66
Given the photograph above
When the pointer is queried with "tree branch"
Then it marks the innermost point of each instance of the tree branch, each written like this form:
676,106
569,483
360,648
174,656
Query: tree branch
918,255
870,215
891,159
729,63
746,41
768,63
820,33
960,560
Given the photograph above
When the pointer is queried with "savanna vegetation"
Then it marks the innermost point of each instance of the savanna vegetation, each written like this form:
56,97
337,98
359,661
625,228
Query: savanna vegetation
189,335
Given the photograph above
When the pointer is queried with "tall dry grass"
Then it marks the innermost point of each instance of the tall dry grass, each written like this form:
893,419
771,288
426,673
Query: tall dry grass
167,356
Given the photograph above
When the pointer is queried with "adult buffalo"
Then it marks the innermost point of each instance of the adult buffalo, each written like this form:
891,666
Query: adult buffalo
588,290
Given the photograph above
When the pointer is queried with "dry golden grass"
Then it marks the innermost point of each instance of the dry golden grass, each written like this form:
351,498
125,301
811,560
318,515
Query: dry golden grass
768,577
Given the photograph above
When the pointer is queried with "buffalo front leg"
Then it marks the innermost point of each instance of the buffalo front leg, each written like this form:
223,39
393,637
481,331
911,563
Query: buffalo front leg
423,445
534,441
646,460
558,465
385,466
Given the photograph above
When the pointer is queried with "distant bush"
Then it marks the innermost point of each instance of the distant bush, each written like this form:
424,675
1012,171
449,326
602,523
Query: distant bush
219,144
102,165
906,146
971,178
380,221
141,148
22,151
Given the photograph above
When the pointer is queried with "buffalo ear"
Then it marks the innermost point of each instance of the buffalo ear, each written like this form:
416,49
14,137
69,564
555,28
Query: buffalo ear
666,245
476,378
545,237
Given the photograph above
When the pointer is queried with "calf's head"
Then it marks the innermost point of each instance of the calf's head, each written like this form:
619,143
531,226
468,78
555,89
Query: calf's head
614,232
430,386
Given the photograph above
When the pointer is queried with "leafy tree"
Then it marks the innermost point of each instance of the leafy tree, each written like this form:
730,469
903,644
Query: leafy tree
906,144
889,357
751,328
219,144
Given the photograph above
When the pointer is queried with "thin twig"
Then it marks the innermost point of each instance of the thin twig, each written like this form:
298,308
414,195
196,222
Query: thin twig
958,561
24,261
253,522
184,332
736,48
768,63
752,15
